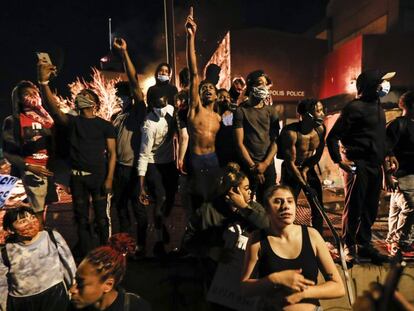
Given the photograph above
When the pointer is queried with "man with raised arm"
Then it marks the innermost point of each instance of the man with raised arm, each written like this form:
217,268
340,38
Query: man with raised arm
128,127
90,138
301,145
203,122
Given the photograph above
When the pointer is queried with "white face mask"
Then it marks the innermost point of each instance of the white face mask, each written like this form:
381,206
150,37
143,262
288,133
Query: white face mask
385,88
163,78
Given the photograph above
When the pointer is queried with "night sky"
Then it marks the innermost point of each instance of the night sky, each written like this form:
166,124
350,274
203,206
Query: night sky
75,33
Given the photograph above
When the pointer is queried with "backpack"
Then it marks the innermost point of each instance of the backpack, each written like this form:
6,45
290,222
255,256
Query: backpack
67,272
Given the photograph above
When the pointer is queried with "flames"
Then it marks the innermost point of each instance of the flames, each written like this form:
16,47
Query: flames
104,88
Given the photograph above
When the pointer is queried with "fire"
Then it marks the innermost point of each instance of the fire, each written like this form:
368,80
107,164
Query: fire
105,89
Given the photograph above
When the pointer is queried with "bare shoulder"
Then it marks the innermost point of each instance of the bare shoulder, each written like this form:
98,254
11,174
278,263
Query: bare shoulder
316,239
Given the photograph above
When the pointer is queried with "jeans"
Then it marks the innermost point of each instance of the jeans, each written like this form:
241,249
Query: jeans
36,190
401,216
362,192
83,189
126,189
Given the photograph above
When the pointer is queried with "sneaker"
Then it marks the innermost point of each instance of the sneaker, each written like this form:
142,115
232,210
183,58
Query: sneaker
368,251
350,255
393,248
407,250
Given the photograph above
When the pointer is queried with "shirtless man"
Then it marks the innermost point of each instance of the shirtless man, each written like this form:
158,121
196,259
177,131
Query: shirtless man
302,145
203,122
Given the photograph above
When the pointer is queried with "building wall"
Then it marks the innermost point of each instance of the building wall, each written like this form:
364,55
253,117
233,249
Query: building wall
292,62
354,17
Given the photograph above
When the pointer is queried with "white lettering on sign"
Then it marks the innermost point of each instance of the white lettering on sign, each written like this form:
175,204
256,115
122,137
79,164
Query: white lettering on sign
288,93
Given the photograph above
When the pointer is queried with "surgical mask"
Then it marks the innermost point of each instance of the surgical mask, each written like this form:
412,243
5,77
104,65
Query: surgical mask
163,78
82,101
260,92
385,88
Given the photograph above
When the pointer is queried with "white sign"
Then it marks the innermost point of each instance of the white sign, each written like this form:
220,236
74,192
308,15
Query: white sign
225,287
7,183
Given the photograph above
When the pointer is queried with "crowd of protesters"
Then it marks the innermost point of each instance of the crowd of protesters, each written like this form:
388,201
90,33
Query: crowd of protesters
220,146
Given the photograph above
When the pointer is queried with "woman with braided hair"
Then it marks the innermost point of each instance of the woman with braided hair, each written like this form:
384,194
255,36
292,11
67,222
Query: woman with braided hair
99,274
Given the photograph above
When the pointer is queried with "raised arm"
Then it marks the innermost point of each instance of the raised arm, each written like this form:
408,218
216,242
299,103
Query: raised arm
44,72
191,28
121,46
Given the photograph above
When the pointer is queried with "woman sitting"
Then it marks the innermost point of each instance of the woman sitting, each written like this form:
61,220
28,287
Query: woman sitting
99,274
230,205
288,258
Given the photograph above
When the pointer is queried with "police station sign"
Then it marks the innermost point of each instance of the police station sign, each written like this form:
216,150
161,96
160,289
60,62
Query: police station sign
288,93
7,183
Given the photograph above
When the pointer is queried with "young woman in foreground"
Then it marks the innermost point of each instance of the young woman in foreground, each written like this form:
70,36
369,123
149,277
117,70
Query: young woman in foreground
287,259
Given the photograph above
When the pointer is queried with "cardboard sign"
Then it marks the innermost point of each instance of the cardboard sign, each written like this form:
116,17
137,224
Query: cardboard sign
225,287
7,183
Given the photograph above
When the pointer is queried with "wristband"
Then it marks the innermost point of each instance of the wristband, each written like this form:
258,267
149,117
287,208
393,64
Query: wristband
43,82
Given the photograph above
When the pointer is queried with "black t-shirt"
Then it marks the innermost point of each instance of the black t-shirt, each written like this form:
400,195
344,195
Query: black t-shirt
136,303
400,137
87,138
162,89
261,128
361,130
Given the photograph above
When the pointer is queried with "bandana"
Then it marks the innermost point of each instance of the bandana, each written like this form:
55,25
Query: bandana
260,92
32,108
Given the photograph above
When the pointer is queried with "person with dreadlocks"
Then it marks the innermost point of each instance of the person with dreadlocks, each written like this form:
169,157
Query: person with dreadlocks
27,142
98,277
91,140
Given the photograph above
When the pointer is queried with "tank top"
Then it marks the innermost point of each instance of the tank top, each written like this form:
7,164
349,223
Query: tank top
270,262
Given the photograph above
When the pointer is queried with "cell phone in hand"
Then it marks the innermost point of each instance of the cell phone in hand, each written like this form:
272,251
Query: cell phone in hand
44,57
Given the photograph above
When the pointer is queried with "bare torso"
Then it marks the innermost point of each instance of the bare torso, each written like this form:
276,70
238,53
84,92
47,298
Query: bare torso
306,145
203,126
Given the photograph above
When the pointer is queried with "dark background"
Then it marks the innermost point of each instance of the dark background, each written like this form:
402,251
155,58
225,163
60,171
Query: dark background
75,33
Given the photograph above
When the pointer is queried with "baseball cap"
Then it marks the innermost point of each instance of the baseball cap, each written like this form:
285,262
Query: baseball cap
371,78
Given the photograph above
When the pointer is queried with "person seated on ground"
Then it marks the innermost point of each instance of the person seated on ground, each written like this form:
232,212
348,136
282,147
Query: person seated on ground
287,258
256,127
225,143
27,143
98,277
162,87
231,203
203,122
32,265
92,155
301,145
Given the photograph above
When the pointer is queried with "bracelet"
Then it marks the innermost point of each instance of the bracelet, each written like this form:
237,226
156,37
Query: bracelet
43,82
